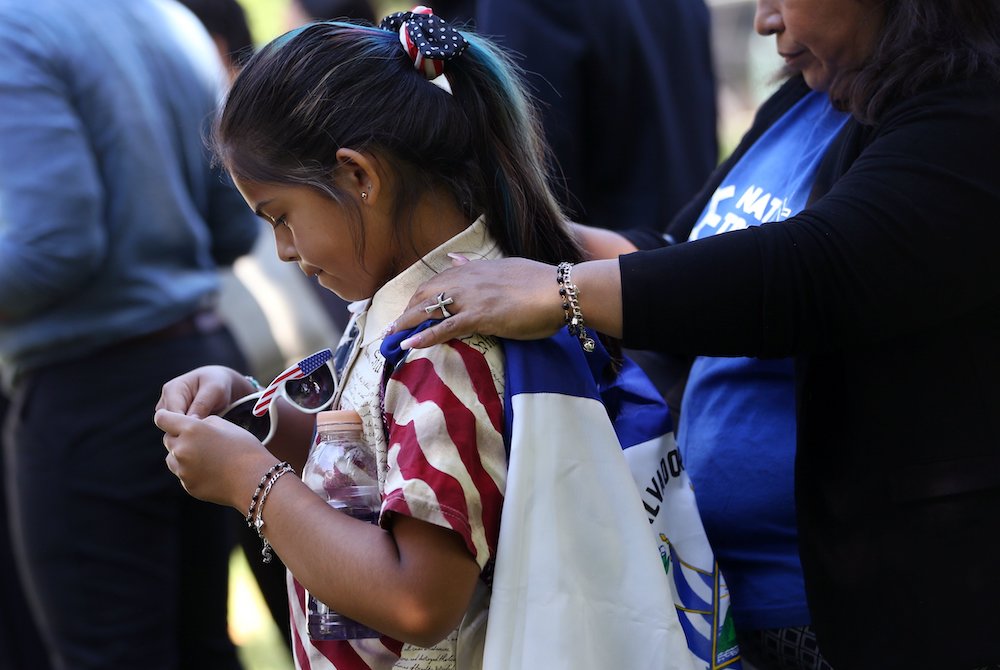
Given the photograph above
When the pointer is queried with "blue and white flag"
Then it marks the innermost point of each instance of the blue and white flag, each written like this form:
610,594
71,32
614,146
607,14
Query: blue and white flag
600,532
602,561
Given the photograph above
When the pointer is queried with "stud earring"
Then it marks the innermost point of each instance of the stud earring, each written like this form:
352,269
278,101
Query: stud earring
364,195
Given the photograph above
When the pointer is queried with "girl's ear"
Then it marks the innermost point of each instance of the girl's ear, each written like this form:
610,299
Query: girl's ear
359,175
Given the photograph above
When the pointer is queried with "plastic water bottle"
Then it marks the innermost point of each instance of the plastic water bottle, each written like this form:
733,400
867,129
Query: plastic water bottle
341,469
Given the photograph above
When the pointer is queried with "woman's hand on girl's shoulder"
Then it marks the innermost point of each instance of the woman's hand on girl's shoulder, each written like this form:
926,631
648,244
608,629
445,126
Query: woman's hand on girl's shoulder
513,298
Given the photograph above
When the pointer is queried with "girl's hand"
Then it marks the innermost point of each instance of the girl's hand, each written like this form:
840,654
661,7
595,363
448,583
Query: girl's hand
215,460
511,297
204,391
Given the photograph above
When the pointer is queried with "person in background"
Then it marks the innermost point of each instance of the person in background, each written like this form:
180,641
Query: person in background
113,227
227,25
300,12
460,12
627,93
21,644
840,282
642,68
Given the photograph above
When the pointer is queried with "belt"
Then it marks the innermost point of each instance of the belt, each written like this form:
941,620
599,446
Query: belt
201,322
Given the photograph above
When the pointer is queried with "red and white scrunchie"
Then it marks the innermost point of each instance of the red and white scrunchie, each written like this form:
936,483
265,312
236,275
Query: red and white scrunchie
427,39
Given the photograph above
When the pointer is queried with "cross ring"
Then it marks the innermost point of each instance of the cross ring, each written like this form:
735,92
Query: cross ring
440,304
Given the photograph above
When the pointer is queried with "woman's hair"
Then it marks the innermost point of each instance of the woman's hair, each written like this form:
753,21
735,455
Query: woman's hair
331,85
922,43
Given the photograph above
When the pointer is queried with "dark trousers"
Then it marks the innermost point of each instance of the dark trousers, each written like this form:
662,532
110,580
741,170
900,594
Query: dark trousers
21,645
124,568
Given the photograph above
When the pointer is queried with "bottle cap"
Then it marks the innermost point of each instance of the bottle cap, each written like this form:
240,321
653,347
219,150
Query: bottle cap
338,419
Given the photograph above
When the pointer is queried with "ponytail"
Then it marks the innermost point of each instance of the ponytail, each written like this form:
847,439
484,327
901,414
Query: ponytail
330,85
508,146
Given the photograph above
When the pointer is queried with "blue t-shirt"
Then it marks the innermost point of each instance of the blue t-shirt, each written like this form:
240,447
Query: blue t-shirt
737,429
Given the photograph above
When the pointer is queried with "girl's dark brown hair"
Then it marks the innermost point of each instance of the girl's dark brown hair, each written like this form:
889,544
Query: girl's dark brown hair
331,85
922,43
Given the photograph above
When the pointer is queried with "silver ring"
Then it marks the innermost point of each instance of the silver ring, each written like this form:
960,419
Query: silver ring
440,305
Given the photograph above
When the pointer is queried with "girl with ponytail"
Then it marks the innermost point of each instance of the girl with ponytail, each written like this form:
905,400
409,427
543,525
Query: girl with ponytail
378,155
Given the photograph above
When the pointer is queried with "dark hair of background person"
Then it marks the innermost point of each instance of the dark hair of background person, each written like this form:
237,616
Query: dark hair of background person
225,20
285,119
457,12
322,10
923,43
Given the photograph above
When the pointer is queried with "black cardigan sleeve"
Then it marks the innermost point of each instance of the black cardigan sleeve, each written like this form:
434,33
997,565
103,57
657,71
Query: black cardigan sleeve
905,237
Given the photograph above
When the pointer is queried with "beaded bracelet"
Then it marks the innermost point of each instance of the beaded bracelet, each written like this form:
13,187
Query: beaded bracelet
260,487
258,523
570,295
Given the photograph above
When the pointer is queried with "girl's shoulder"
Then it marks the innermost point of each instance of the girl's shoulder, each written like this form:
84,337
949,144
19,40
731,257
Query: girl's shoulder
472,365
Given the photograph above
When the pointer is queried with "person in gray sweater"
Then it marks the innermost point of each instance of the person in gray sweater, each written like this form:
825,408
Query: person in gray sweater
113,227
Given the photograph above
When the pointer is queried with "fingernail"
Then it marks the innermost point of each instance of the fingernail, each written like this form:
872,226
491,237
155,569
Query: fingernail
458,258
409,342
389,329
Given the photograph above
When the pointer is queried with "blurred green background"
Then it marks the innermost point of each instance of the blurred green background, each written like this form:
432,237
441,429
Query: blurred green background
267,17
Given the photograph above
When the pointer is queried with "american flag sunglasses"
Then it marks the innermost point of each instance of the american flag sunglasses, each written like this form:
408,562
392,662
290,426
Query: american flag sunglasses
309,385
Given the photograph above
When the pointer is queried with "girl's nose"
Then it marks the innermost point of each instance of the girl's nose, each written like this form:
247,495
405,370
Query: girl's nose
284,245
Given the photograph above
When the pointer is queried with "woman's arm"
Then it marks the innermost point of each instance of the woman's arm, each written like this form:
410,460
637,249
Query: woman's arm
513,298
905,238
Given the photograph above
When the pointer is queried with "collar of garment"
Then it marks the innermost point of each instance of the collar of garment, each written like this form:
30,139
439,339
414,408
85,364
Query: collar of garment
388,303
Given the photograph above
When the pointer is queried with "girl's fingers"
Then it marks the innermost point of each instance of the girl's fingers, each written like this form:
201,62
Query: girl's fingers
168,421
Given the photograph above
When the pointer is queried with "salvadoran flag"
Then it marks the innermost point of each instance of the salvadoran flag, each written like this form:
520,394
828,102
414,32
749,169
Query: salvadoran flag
602,560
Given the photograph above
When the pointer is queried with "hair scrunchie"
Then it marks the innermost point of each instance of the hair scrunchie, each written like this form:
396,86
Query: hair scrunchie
427,39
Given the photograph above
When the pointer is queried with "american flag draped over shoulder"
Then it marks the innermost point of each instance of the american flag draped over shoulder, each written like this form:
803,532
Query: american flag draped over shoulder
303,368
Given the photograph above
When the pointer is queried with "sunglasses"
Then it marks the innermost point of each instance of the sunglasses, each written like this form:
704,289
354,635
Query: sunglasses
310,386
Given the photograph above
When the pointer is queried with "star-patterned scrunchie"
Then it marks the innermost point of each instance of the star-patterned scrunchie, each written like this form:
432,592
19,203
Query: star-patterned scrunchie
427,39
